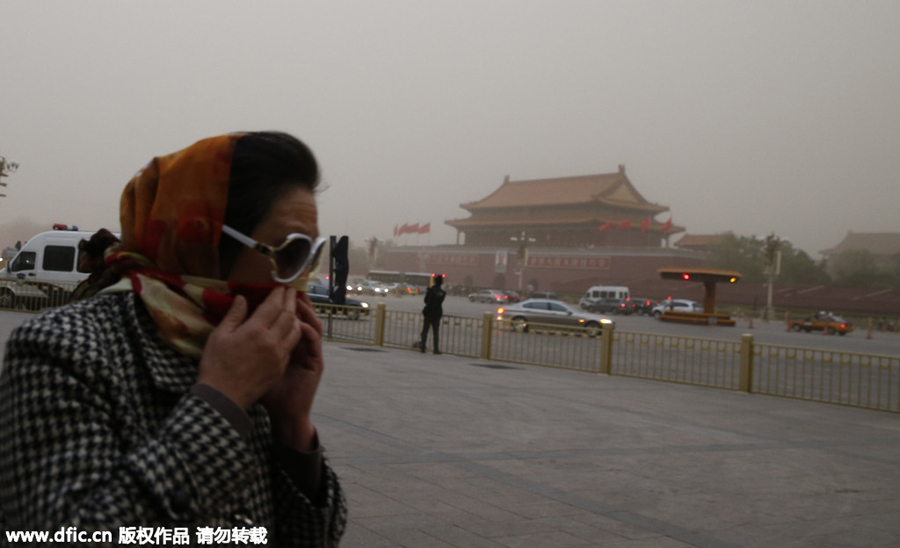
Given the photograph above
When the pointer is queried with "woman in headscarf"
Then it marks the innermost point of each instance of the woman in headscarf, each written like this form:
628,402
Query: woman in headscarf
180,396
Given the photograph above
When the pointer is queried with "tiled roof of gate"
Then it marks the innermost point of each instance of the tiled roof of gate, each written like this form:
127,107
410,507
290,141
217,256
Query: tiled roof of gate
497,221
610,188
699,240
877,243
593,221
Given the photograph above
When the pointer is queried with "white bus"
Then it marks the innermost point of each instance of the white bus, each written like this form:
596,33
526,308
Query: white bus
385,276
422,280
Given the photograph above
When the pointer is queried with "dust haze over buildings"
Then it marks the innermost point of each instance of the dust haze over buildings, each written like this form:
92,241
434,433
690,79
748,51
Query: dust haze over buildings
747,116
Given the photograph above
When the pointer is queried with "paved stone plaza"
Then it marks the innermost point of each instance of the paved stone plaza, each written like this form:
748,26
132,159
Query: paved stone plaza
437,451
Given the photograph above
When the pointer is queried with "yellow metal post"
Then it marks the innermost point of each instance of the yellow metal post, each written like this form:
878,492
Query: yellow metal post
379,324
606,338
487,325
746,363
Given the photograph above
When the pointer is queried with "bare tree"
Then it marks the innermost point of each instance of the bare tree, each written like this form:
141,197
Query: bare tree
6,168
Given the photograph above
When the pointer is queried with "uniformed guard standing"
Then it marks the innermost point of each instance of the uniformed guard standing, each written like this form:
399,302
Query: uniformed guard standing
433,311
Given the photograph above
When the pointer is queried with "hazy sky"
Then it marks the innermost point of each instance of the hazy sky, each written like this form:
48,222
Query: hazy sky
753,116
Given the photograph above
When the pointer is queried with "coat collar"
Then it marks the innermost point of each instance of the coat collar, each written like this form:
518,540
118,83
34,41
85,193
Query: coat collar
170,371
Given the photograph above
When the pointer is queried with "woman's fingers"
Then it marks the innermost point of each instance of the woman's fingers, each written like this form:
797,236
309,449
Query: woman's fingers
267,313
290,300
287,325
276,314
306,312
236,314
245,356
312,346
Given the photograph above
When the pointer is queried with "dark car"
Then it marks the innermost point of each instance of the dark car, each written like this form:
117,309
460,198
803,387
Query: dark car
512,296
611,306
488,296
352,308
641,305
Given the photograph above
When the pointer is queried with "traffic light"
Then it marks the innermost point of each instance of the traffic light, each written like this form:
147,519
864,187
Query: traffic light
339,269
770,249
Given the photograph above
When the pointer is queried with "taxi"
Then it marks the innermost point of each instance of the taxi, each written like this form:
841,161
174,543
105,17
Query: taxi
823,321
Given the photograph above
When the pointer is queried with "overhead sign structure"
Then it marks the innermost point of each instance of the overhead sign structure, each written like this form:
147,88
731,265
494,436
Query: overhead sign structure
709,277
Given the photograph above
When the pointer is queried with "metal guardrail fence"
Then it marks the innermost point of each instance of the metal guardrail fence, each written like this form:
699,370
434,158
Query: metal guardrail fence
346,323
546,345
34,296
858,380
458,335
687,360
844,378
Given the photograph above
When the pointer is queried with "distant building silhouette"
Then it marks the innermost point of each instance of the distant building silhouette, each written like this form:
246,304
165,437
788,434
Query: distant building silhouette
884,247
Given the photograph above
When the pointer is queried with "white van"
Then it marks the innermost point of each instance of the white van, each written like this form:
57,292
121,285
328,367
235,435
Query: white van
44,271
598,292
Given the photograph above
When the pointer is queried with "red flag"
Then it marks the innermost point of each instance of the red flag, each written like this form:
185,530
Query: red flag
425,229
414,229
396,231
645,224
403,229
624,225
667,226
605,226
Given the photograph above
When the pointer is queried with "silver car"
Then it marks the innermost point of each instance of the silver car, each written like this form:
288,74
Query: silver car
676,305
548,313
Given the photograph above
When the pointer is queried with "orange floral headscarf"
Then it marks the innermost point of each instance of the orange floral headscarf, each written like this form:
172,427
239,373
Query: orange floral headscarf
172,213
172,210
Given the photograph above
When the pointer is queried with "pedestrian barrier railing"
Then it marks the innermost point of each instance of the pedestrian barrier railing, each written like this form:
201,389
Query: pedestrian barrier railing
688,360
34,296
402,329
548,345
846,378
458,335
346,323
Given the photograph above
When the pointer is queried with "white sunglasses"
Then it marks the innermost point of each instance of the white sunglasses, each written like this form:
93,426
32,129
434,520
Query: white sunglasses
290,259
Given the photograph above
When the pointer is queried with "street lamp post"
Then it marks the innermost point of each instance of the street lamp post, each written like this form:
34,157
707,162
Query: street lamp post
522,254
372,244
772,270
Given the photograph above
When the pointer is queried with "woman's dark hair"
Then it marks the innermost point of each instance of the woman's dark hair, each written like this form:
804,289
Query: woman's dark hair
265,166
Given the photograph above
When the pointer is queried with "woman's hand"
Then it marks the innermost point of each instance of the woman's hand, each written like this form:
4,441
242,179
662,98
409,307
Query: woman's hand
289,402
245,359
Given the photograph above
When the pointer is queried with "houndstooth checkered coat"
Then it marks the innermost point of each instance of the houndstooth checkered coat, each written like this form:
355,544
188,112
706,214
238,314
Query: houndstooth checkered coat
98,430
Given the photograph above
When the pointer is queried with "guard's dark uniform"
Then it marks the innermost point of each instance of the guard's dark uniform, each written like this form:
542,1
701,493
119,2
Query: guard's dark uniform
433,311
